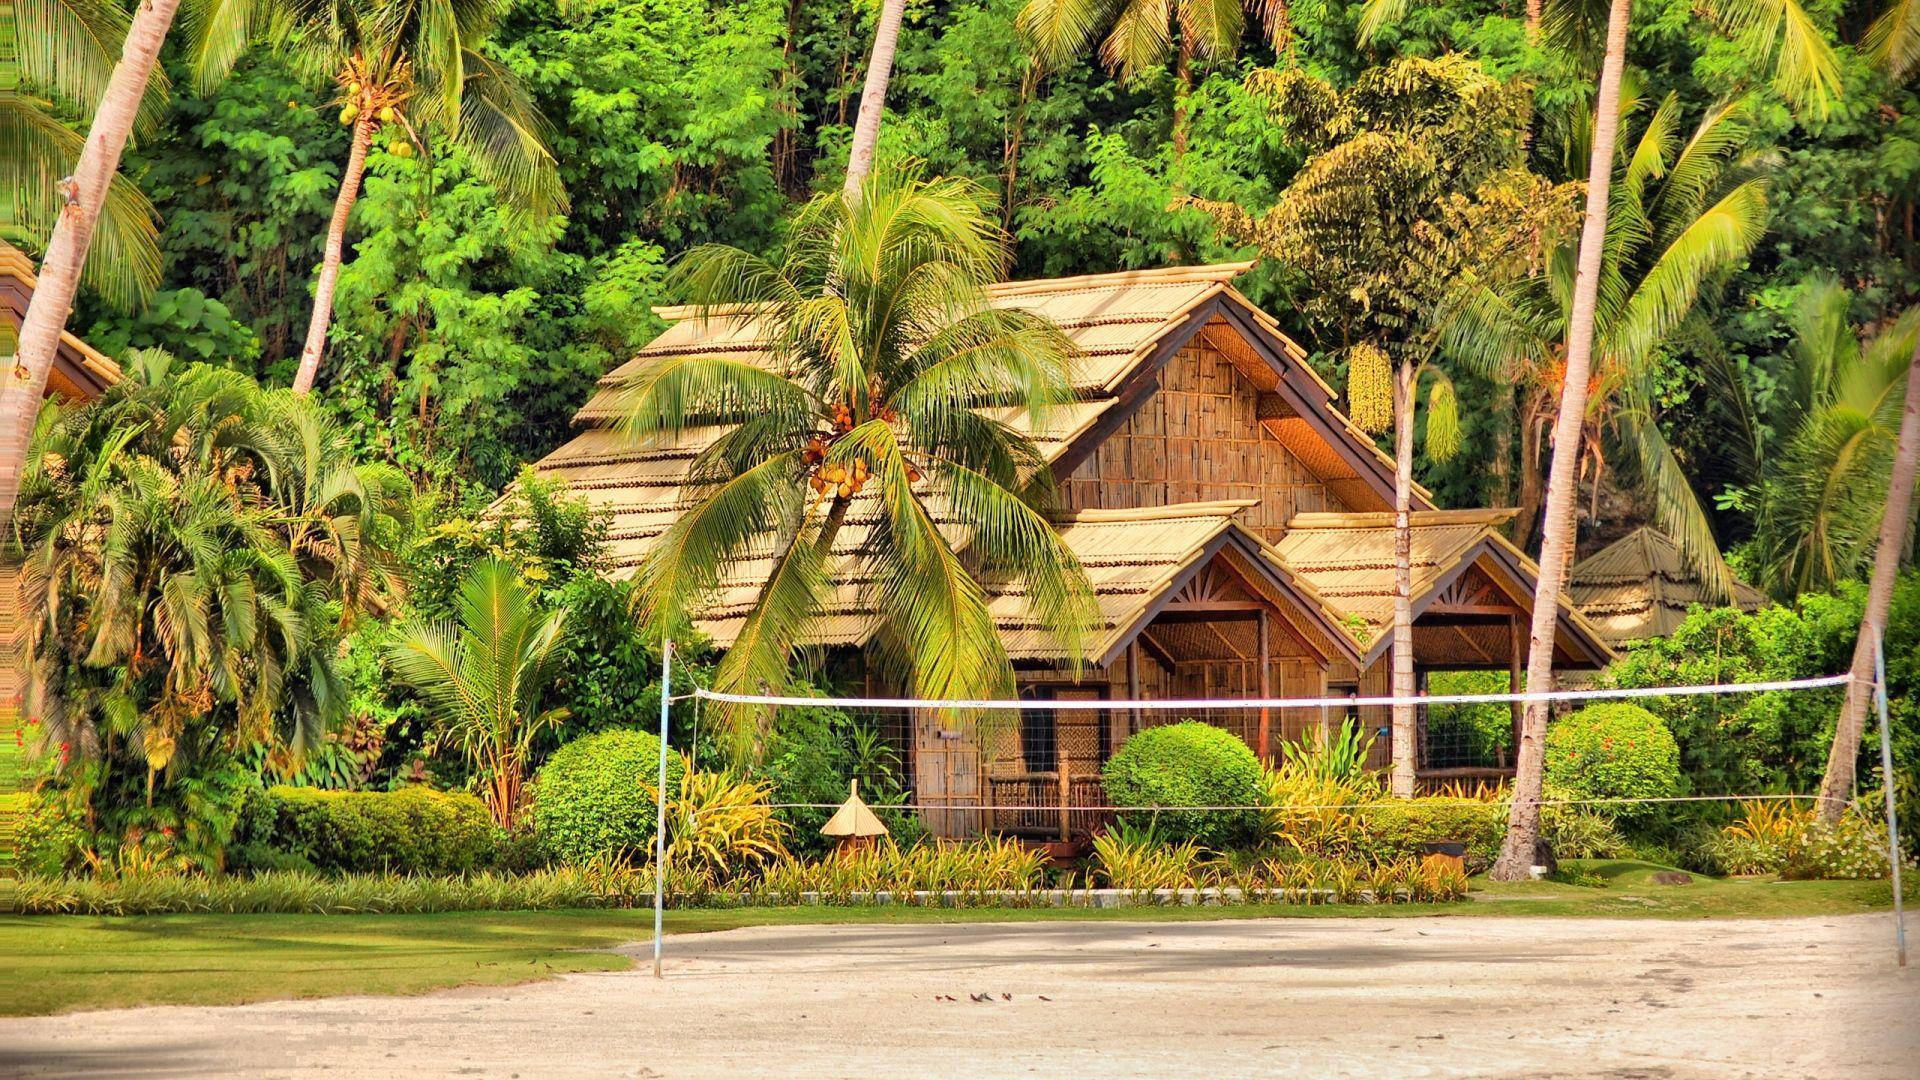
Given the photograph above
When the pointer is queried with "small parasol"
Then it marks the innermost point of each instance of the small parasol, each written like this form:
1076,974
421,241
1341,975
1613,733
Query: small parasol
854,823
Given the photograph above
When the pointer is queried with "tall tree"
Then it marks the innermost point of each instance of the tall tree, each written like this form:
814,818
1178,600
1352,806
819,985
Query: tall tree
1140,36
1414,181
1778,36
1896,521
83,194
404,67
873,97
1516,859
883,352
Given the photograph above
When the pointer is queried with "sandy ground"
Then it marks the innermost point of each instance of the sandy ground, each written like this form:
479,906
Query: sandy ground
1303,997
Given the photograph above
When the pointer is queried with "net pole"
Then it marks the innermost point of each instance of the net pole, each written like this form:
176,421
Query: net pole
660,804
1886,775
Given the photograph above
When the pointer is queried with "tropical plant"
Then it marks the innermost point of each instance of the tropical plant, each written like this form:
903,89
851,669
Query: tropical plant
1338,755
1189,764
1803,69
1140,35
721,828
482,680
83,195
595,798
188,538
1133,857
402,68
1821,491
884,351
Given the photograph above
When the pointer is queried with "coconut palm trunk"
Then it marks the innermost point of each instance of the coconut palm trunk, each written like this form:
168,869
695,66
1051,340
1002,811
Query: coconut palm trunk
1836,787
1523,822
1405,731
873,96
86,192
316,345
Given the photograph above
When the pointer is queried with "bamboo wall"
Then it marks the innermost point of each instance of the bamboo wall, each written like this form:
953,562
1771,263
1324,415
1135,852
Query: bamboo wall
1198,439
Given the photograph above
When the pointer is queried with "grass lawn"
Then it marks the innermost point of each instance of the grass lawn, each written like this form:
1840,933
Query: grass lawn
57,963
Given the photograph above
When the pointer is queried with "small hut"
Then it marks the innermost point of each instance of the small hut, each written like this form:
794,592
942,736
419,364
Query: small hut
1640,586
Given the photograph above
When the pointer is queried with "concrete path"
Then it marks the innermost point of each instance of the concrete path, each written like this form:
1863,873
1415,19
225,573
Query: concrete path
1305,997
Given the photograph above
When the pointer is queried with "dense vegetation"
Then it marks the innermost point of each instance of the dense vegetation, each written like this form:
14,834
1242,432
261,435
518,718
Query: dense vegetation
236,595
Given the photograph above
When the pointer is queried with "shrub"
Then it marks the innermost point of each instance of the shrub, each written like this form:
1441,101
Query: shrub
1578,832
1778,838
411,831
970,868
1187,764
1396,829
1613,750
720,827
595,797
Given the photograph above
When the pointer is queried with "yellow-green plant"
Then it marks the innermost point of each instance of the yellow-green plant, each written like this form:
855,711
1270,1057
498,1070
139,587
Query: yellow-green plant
720,827
1137,859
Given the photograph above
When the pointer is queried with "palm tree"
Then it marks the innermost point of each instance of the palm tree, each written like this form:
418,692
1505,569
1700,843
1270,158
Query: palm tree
82,196
1556,553
177,594
1140,35
1778,36
884,351
1846,433
1681,213
1822,490
64,48
873,97
400,66
482,680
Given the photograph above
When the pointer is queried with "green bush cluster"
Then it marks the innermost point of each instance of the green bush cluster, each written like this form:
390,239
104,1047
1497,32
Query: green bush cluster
593,799
1187,764
1397,828
414,830
1613,750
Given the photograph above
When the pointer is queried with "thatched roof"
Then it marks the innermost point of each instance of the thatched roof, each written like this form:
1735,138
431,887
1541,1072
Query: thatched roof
1640,586
1348,560
1125,326
79,371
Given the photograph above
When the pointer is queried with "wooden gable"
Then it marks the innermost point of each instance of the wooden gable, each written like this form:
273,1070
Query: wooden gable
79,372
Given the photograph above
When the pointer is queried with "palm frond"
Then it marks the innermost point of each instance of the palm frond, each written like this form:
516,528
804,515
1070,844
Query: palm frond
1780,36
1892,43
506,134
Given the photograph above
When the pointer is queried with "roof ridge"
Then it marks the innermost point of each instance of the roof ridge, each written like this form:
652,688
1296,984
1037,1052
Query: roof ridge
1381,519
1172,512
1158,275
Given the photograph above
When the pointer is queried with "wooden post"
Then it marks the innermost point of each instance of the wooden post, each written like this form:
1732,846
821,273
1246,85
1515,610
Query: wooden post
1133,685
1060,764
1266,687
1516,649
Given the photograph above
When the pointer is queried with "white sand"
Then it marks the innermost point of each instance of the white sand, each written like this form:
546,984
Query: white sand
1404,997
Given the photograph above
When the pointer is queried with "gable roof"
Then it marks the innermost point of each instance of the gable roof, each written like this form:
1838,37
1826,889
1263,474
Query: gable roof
1348,560
79,370
1640,586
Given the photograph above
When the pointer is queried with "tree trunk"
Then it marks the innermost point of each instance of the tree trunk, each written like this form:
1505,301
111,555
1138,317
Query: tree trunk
1533,21
873,96
330,263
86,191
1500,475
1523,822
1028,82
1182,92
1532,480
1836,787
1405,735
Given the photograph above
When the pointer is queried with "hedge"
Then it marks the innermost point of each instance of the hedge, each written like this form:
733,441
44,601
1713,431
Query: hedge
1187,764
1397,828
414,830
594,797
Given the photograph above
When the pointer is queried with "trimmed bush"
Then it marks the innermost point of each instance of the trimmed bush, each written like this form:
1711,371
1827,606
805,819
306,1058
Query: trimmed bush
594,797
1187,764
1613,750
415,830
1395,829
